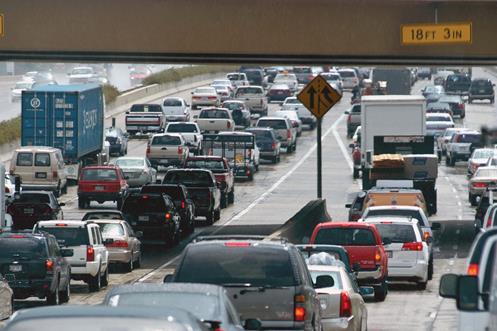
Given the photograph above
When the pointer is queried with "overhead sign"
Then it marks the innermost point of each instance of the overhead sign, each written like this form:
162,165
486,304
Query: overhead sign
443,33
318,96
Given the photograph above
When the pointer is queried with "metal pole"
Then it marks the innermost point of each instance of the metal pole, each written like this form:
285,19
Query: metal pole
320,177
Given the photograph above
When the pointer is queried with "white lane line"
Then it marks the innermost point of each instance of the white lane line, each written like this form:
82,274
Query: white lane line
453,189
343,149
155,271
459,203
433,315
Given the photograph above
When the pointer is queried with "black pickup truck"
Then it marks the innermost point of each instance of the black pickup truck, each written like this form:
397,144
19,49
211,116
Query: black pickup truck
202,188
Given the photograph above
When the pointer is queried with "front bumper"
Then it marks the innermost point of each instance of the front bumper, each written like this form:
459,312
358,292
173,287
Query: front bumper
338,323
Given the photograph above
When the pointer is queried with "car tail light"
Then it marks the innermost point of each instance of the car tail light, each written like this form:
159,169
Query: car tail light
299,310
196,97
426,235
55,174
273,145
349,118
412,246
167,216
180,150
377,256
218,329
473,269
247,172
345,305
148,150
118,244
310,77
17,236
49,265
212,98
236,244
228,124
90,253
183,204
7,190
460,105
47,210
489,222
289,134
479,185
354,218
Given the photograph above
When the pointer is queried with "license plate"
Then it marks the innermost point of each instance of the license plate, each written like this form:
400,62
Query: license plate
41,175
99,188
15,267
390,254
482,91
280,92
143,218
28,210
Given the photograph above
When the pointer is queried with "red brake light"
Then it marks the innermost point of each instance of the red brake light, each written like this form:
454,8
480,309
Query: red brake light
119,244
236,244
183,204
168,216
60,224
55,174
90,254
489,222
473,269
273,145
289,133
148,150
479,185
412,246
7,190
49,265
345,305
17,236
180,150
349,118
299,314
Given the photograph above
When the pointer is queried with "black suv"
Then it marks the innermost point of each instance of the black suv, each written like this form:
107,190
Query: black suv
481,89
154,215
457,84
256,274
34,265
184,205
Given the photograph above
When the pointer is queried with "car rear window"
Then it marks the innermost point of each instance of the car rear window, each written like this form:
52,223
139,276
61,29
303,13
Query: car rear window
249,90
274,124
397,233
206,164
347,74
224,265
302,70
111,229
213,113
99,174
458,79
24,159
233,77
22,246
172,103
183,127
166,140
42,159
396,212
468,138
146,108
438,118
483,153
345,237
262,135
33,198
144,203
174,192
68,236
486,173
188,178
205,90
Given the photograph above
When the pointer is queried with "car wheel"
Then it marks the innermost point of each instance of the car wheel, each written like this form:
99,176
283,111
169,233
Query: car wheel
421,285
64,189
119,203
105,279
274,160
129,266
430,268
470,100
289,149
95,282
224,201
217,215
231,196
492,100
355,173
138,263
210,218
66,294
380,291
82,203
54,297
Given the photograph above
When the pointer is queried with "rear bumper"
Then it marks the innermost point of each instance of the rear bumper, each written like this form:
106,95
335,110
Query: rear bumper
338,323
40,187
244,172
481,96
166,162
308,120
100,196
143,128
365,277
118,255
156,232
27,288
84,269
177,118
415,272
116,148
268,154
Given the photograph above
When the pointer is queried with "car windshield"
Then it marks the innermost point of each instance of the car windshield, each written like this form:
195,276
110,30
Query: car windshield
262,135
183,127
130,163
302,70
468,138
292,101
172,103
337,279
483,153
203,305
397,233
345,236
18,245
221,82
481,172
226,264
214,113
144,204
33,198
234,77
284,77
433,89
188,178
166,140
438,119
81,71
68,236
346,73
99,174
103,215
110,230
274,124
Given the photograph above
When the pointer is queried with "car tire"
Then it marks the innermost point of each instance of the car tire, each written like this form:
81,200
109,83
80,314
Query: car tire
128,267
421,285
430,268
224,201
105,279
82,203
210,218
138,262
64,189
53,298
470,100
381,291
65,295
217,215
119,203
274,159
289,149
95,282
231,196
355,173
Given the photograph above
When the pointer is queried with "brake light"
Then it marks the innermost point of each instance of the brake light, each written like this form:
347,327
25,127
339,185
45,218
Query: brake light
90,253
118,244
211,98
7,190
168,216
345,305
299,311
49,265
377,256
412,246
60,224
273,145
183,204
289,134
349,118
426,235
247,172
479,185
218,329
473,269
55,174
228,124
16,236
460,105
148,150
180,150
196,97
236,244
489,222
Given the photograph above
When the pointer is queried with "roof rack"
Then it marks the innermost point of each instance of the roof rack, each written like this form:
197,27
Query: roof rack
240,237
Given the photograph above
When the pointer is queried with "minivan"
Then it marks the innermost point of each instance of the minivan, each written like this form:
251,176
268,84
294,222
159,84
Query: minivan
284,130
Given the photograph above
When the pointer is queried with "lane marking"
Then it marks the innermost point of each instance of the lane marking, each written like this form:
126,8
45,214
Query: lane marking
433,315
156,270
343,149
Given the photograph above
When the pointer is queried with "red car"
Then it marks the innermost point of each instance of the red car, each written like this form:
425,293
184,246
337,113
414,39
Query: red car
101,183
364,245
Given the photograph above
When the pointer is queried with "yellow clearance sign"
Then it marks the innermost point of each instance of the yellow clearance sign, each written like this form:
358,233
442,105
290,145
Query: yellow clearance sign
443,33
318,96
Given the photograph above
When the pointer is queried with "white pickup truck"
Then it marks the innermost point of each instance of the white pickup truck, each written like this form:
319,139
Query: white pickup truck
254,97
214,120
167,149
144,118
190,132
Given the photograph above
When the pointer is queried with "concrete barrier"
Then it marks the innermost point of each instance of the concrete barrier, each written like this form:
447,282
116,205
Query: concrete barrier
298,229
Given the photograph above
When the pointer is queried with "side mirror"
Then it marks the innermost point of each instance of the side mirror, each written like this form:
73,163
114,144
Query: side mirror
168,278
346,112
127,112
158,181
467,293
191,92
324,281
366,291
429,240
352,145
108,241
436,226
62,204
387,241
252,324
356,267
139,234
348,205
126,135
67,252
448,286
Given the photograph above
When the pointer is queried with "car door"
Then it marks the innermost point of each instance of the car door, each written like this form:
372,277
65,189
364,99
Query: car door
60,262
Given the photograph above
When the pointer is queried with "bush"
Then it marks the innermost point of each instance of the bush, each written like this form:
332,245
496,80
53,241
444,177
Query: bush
10,130
177,74
110,93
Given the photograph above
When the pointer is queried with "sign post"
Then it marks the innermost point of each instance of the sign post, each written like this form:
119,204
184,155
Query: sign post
318,97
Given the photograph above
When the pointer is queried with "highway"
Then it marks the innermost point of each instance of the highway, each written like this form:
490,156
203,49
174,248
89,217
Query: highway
279,191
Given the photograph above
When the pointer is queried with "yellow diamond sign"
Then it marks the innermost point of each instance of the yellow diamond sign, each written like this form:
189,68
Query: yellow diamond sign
318,96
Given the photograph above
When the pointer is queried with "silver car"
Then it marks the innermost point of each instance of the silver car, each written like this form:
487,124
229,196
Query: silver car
479,158
479,182
125,247
138,170
6,299
205,96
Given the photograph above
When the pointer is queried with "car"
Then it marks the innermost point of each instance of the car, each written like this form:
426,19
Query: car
33,206
278,92
482,210
293,117
238,79
101,183
437,123
457,84
138,73
479,157
492,161
488,219
461,146
284,130
137,169
366,251
190,132
269,146
432,89
444,139
40,168
16,91
456,103
255,76
143,118
224,82
254,97
155,215
35,266
353,119
207,302
342,303
167,149
99,317
6,299
356,205
477,185
292,103
254,272
304,74
481,89
103,215
118,141
223,91
287,79
395,196
176,109
124,245
215,120
82,75
333,77
239,112
424,72
205,96
349,78
10,186
90,259
439,107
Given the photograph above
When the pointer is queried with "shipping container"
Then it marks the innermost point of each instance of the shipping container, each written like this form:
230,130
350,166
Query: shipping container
68,117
